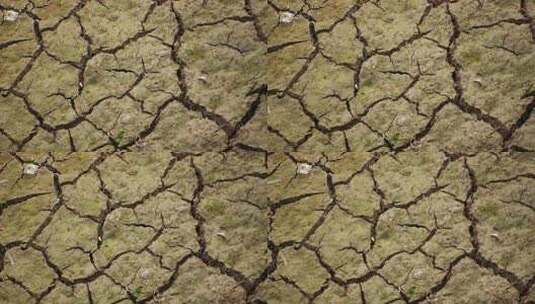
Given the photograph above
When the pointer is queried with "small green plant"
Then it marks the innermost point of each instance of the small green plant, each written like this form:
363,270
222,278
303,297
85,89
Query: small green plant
367,83
386,234
489,210
411,292
472,55
119,138
395,139
215,208
137,292
506,260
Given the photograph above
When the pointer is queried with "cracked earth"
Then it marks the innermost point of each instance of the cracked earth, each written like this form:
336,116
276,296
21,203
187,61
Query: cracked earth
267,151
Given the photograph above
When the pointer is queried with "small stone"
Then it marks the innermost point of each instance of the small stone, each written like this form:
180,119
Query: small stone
30,169
144,274
221,235
304,168
495,236
56,201
286,17
163,53
418,274
478,81
356,86
402,119
11,16
203,78
11,260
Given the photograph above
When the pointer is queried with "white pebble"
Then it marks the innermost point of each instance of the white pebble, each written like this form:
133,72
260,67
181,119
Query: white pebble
144,274
479,81
30,169
11,16
286,17
304,168
203,78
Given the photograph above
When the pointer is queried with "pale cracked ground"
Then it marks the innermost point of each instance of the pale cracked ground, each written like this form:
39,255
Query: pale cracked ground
267,151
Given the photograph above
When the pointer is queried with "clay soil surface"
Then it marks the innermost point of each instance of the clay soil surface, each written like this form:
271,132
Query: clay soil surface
267,151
